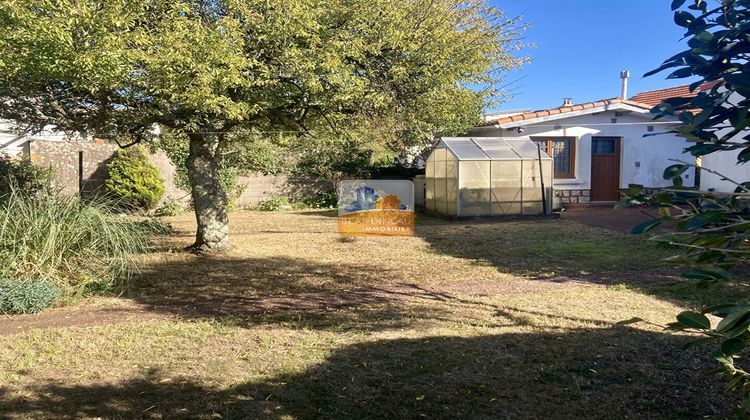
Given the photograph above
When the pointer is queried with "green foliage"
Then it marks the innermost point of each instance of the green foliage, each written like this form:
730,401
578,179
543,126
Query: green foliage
133,181
273,203
333,158
712,229
171,207
26,296
717,37
402,71
321,200
74,243
23,176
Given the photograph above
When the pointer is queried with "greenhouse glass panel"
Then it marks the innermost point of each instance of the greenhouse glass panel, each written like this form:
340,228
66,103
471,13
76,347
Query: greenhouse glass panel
474,188
429,196
506,208
429,166
530,150
506,181
532,185
440,193
451,167
465,149
439,154
451,196
486,176
440,167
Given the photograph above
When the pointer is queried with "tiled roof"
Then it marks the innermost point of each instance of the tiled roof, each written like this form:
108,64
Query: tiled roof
565,109
654,97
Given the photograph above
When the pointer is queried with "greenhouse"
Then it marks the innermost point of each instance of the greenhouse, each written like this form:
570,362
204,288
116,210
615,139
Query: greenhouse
488,176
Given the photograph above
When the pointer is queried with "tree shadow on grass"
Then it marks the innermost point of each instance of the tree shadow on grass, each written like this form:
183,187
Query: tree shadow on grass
615,372
570,251
278,289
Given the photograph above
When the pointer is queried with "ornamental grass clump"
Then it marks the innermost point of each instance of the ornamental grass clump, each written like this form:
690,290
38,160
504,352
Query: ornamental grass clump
79,245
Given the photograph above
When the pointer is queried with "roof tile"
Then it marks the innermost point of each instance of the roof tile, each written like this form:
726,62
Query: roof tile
564,109
654,97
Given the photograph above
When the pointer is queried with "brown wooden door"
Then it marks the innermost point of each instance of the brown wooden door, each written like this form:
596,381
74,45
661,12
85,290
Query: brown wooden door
605,168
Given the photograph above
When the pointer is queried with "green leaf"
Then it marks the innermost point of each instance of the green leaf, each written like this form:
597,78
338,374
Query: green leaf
674,171
695,320
681,73
645,226
740,80
733,318
708,273
722,309
683,18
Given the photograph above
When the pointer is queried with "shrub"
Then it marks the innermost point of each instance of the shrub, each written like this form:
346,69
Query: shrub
321,200
69,241
171,207
133,181
23,175
273,203
26,296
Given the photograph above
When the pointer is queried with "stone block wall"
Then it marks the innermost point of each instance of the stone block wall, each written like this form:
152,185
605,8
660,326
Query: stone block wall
574,196
259,187
63,158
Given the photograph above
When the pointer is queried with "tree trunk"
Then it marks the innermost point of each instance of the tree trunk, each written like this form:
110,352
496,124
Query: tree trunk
209,198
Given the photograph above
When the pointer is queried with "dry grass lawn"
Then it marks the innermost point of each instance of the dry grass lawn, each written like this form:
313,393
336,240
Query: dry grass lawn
464,320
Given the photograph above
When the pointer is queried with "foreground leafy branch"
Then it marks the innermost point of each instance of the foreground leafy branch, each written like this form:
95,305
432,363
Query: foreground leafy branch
711,229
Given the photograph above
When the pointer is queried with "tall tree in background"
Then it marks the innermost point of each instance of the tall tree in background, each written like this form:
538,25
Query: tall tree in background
206,68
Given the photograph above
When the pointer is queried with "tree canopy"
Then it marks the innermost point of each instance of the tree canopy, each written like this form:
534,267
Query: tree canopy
205,68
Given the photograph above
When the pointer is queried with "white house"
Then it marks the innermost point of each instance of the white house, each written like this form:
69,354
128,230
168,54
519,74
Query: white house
12,142
724,163
599,147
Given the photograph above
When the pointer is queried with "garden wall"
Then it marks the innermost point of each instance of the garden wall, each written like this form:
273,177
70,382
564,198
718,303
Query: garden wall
63,158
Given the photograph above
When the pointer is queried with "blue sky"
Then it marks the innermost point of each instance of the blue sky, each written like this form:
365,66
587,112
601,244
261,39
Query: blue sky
581,46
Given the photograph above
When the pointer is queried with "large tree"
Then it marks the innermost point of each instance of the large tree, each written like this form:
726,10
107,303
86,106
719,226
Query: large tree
206,68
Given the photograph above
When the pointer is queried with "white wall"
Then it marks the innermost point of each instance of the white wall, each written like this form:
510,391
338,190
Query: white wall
726,164
652,154
11,143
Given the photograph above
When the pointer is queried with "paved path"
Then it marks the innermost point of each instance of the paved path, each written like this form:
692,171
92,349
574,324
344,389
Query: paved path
620,220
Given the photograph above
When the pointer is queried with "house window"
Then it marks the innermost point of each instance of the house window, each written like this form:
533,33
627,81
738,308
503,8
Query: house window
562,149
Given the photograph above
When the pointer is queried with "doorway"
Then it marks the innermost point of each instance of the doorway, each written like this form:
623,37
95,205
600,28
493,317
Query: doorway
605,168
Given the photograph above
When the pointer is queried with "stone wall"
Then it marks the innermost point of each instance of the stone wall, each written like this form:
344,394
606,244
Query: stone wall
258,187
574,196
63,158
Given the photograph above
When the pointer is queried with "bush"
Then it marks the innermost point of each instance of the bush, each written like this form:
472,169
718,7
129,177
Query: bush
26,296
133,181
69,241
23,175
171,207
273,203
321,200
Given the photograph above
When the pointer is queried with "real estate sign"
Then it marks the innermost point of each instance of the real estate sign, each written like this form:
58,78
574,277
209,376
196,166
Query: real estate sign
376,207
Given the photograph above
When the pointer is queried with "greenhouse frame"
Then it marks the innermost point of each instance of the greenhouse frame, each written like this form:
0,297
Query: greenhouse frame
488,176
